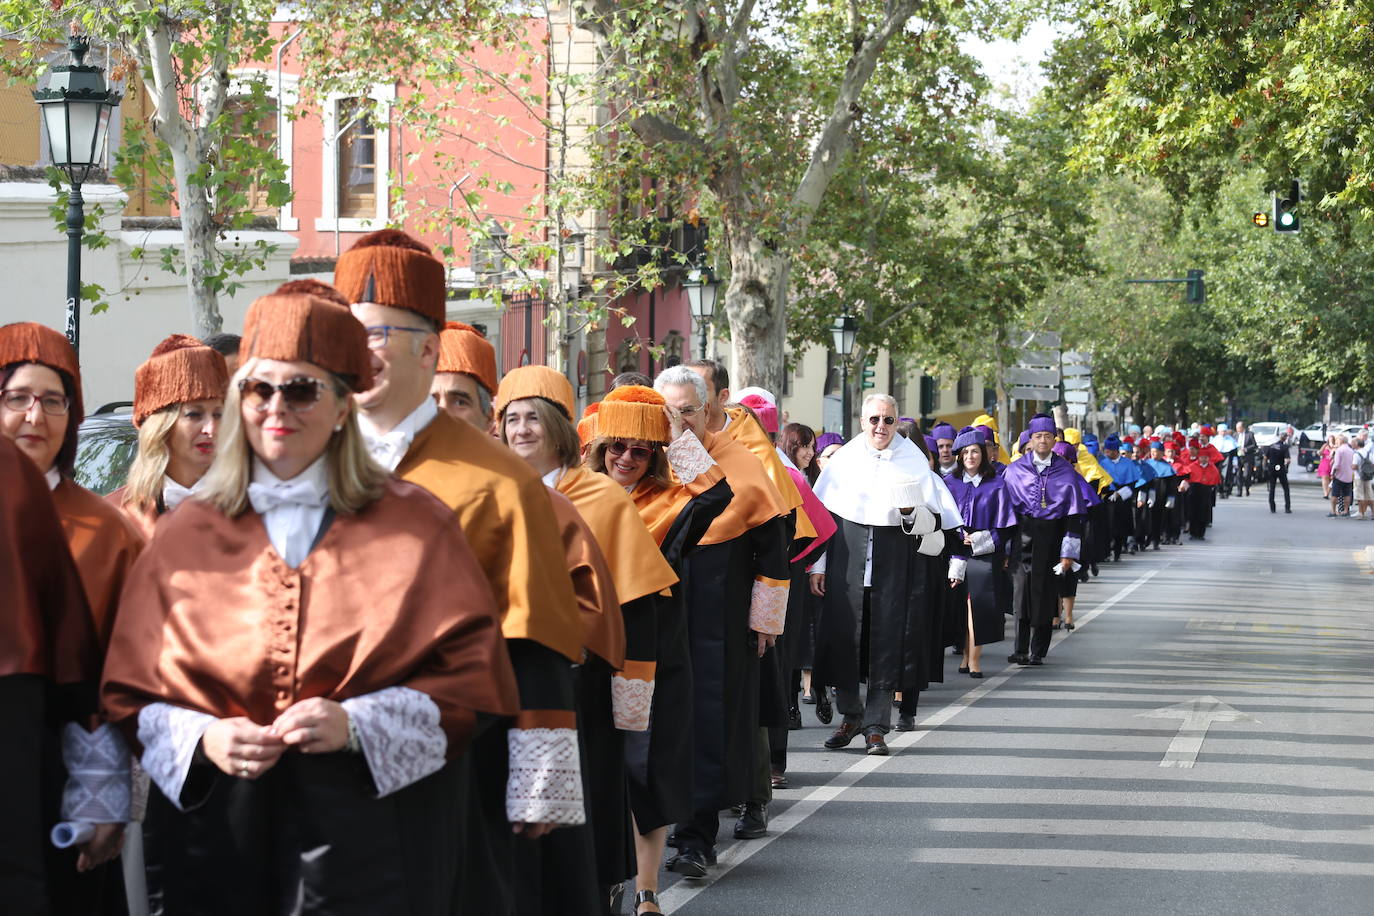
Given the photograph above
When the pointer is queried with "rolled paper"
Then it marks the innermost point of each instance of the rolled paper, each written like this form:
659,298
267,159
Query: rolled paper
69,833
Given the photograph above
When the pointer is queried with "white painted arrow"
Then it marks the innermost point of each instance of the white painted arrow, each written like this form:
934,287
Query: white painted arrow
1197,714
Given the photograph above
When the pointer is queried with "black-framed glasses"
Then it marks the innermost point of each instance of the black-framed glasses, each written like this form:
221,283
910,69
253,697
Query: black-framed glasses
637,452
886,421
379,334
299,394
54,405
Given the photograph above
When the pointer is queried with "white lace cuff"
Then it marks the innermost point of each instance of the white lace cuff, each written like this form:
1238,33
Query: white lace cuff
545,782
401,736
688,457
97,790
982,543
1070,547
138,790
169,735
768,606
958,566
632,696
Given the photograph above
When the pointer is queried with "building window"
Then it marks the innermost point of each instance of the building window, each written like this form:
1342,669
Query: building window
261,133
964,390
357,160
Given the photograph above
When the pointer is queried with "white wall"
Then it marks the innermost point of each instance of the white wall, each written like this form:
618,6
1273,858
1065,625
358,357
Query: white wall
146,302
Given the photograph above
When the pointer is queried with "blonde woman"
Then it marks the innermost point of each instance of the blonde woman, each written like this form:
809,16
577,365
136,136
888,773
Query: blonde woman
309,647
178,402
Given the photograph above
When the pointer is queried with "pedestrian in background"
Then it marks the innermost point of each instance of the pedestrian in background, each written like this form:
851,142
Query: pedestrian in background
1324,465
1364,463
1276,459
1342,476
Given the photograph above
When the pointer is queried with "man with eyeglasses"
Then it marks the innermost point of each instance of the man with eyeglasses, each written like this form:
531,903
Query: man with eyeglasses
882,600
1050,507
526,777
736,584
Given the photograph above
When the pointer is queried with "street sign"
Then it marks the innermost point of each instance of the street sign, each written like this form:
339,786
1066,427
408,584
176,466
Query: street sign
1026,393
1038,358
1076,410
1075,397
1077,371
1021,339
1019,375
1074,356
1083,383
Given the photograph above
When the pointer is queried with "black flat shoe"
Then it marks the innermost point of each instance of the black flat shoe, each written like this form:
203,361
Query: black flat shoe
1018,658
905,724
794,721
975,674
1035,660
825,710
690,863
753,823
964,670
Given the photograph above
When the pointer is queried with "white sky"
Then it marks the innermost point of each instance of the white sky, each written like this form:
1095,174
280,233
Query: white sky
1014,67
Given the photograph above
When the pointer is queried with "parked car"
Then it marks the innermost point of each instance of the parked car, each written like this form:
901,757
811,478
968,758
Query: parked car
1311,438
1266,434
106,444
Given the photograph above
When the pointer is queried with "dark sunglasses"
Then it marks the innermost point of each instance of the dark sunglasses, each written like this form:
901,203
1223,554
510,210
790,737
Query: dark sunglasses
637,452
300,394
886,421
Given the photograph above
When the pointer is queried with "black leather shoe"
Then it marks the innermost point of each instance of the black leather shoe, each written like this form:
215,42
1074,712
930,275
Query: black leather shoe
963,669
690,863
753,823
1018,658
877,745
794,719
842,736
905,724
1036,660
975,674
825,710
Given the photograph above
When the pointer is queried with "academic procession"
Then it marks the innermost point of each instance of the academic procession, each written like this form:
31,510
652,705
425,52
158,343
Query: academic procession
371,630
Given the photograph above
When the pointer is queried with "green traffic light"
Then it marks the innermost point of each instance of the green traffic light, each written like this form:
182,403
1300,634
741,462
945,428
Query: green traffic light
1286,219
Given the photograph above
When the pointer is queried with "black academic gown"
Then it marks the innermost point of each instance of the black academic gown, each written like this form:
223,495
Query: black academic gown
890,646
725,662
659,761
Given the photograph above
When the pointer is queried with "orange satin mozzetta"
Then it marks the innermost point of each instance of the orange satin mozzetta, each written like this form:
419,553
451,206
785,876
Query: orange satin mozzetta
756,500
214,620
603,626
104,544
636,563
747,431
505,512
659,507
45,627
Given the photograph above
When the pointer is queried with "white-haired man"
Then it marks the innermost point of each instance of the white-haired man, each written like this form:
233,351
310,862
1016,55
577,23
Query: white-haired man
736,584
881,600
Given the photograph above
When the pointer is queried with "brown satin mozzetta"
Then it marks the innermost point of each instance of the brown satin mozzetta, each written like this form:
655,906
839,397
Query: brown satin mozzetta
505,512
215,621
603,626
45,627
145,520
104,544
636,563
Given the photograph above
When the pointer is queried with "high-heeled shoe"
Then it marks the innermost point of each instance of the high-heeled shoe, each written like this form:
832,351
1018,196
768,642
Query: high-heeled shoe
1068,625
964,669
646,896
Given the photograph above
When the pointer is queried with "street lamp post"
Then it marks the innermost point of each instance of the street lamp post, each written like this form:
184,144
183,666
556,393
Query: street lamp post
701,295
76,108
845,330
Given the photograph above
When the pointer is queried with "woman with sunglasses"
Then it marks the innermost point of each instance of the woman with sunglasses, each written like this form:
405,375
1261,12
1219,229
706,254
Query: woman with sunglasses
678,492
178,401
309,649
618,574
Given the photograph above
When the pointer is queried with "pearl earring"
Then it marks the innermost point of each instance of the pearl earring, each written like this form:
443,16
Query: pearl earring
338,428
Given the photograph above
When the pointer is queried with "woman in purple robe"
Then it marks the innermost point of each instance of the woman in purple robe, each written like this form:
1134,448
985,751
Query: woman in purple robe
989,525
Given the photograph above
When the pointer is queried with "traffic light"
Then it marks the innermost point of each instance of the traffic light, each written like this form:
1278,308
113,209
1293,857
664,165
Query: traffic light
1197,289
1260,219
927,395
1286,210
866,376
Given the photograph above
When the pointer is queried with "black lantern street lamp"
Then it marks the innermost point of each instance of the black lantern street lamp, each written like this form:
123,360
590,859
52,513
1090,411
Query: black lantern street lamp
76,110
844,331
701,296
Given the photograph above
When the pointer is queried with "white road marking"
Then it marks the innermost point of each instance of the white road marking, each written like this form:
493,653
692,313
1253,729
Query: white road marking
680,893
1197,714
1213,861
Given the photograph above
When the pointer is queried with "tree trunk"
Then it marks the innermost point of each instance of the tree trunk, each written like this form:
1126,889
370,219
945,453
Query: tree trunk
756,305
198,234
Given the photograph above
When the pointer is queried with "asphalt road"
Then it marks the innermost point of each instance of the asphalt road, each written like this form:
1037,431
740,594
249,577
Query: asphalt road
1202,743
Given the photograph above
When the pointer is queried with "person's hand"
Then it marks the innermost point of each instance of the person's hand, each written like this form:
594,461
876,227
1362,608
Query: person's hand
818,584
954,583
532,831
1066,564
313,726
766,641
101,848
241,747
968,540
675,424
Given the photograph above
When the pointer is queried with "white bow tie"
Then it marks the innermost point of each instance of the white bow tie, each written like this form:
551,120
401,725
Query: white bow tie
266,497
